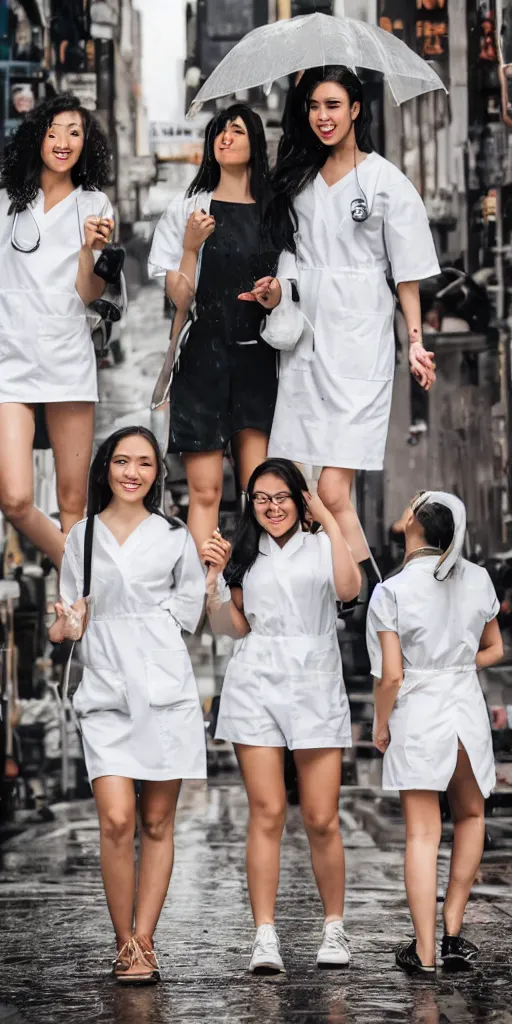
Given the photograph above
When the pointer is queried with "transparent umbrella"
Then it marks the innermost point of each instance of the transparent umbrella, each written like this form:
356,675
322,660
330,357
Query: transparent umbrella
316,40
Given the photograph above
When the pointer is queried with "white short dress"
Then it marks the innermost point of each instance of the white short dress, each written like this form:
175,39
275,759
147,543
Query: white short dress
137,704
46,350
335,386
284,684
440,624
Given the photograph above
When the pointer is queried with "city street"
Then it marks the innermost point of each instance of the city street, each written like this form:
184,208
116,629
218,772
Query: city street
57,936
57,946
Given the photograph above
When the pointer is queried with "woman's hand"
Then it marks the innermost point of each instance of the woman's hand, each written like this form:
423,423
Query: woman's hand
381,737
266,291
422,365
316,508
97,231
215,554
70,623
199,227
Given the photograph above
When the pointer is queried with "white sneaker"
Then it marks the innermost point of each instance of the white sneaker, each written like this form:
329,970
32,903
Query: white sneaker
334,946
265,951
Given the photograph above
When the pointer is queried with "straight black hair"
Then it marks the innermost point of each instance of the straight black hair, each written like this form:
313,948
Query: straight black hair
437,524
208,175
21,167
99,491
301,154
247,537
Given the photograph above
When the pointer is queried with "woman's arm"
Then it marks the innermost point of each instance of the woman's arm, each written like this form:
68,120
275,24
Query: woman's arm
386,688
421,362
347,576
225,609
180,284
490,650
97,231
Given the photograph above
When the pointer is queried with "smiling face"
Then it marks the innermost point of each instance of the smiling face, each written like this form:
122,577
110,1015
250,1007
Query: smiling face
63,142
331,115
133,469
232,147
274,507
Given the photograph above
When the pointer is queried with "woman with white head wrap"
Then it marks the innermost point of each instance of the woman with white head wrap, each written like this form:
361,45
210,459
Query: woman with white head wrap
430,628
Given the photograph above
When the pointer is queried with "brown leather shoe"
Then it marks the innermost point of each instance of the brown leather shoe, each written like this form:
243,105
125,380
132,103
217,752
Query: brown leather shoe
135,965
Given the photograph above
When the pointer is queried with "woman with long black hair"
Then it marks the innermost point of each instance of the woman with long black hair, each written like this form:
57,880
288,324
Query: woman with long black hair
54,220
430,628
137,704
284,687
211,248
347,217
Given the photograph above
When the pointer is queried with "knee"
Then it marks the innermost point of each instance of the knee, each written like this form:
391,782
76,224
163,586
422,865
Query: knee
71,498
269,817
322,824
206,494
16,504
156,829
424,833
334,494
117,827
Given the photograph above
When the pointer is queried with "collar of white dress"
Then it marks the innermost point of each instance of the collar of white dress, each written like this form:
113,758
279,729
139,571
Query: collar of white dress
268,546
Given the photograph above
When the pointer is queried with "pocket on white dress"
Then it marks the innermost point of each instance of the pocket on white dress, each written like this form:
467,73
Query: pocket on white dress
358,345
169,678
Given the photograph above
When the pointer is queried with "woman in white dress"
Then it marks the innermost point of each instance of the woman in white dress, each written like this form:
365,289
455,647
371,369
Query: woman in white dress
430,628
137,704
53,223
284,687
348,219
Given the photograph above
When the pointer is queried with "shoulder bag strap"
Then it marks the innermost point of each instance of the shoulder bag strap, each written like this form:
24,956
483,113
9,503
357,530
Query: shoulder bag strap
89,532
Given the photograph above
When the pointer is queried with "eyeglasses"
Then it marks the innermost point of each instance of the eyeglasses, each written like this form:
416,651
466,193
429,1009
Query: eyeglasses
262,498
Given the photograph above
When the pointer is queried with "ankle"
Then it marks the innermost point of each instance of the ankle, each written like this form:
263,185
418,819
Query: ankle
263,921
121,940
427,954
333,917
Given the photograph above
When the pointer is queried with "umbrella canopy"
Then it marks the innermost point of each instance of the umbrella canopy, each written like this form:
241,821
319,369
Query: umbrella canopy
317,40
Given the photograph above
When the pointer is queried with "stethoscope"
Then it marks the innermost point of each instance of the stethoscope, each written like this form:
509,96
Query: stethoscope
34,248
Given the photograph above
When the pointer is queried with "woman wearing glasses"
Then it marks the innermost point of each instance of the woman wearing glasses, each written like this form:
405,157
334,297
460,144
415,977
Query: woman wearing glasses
53,223
284,686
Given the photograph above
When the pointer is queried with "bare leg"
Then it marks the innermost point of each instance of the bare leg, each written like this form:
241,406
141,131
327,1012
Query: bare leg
115,801
71,431
334,488
262,771
467,806
204,477
250,450
17,481
319,773
423,835
157,812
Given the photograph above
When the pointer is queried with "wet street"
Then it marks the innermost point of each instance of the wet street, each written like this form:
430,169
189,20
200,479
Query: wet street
57,940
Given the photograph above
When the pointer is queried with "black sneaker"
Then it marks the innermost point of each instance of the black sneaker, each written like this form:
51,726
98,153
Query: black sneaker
457,953
408,960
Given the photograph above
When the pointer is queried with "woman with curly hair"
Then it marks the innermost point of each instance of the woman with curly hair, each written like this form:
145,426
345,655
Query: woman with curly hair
54,220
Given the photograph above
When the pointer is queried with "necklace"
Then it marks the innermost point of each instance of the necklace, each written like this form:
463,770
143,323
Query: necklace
422,551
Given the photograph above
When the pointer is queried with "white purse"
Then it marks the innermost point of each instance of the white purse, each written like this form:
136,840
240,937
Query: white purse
284,326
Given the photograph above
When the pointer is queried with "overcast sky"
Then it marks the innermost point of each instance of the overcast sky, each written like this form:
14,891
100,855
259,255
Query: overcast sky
164,48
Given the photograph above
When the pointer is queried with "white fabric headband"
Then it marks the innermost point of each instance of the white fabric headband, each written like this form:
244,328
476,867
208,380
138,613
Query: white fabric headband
453,552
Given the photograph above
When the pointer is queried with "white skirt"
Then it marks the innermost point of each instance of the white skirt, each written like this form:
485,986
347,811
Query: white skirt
434,710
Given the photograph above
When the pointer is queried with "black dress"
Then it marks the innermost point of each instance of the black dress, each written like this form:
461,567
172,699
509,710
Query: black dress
227,376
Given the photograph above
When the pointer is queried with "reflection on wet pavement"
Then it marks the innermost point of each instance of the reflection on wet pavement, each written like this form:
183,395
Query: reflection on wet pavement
57,944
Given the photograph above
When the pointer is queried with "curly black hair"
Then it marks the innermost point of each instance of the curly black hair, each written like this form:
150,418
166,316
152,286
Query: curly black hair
20,170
